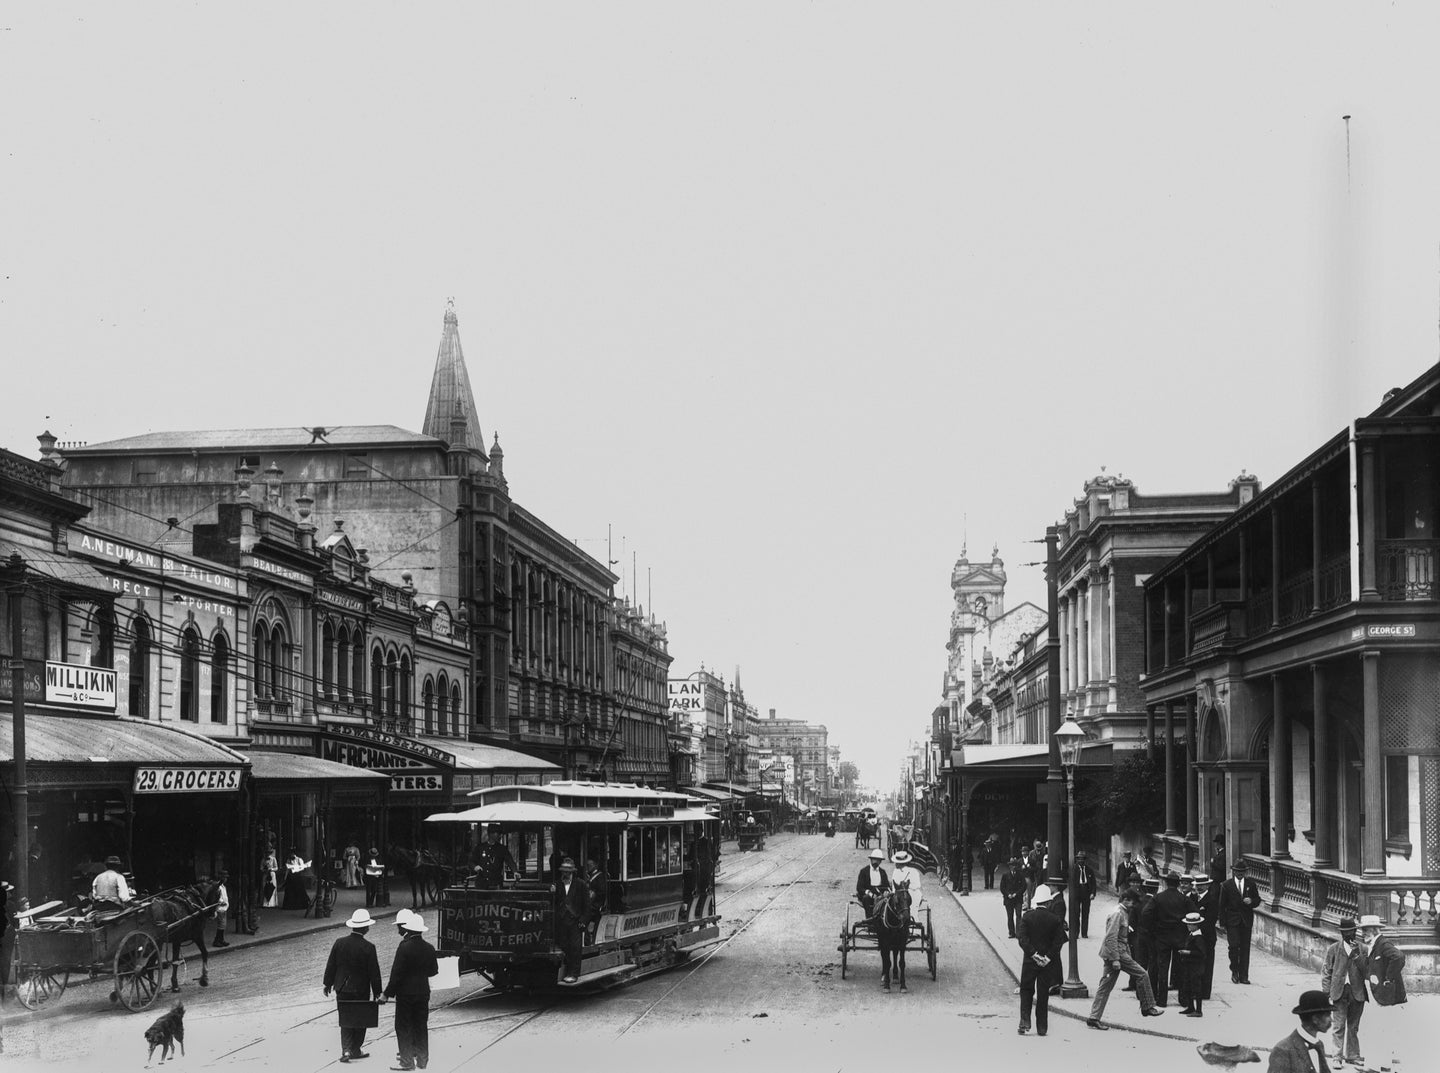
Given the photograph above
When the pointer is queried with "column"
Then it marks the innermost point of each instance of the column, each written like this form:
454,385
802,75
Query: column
1192,773
1110,632
1150,731
1083,643
1315,522
1062,629
1165,620
1372,836
1323,792
1274,566
1210,576
1368,591
1147,656
1280,772
1170,829
1186,606
1244,564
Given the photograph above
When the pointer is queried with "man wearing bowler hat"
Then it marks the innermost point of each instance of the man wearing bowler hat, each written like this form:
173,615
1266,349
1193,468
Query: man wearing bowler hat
572,913
353,972
1343,981
1302,1051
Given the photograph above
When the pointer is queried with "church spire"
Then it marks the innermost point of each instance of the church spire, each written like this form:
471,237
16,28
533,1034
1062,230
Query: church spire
451,399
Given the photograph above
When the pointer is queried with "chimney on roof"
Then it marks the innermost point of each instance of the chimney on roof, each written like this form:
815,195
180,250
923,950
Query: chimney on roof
304,504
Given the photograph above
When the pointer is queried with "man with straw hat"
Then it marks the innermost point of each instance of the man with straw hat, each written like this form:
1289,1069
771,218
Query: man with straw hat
872,878
409,986
1384,962
353,972
1293,1053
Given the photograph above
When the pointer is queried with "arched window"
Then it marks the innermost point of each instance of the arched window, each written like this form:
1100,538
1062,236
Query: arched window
428,698
271,646
190,675
342,663
219,679
260,643
442,702
377,684
392,686
140,670
104,637
327,660
455,708
407,691
357,665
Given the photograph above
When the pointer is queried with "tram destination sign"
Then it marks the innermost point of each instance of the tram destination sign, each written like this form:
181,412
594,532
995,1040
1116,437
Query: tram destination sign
505,925
87,687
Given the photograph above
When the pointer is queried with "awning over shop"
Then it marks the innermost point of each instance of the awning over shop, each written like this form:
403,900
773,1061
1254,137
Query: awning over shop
295,767
61,568
709,794
1025,759
476,756
529,812
732,788
80,739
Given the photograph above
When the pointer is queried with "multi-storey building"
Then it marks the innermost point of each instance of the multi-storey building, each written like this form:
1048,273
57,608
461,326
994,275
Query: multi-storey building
1297,646
639,744
808,743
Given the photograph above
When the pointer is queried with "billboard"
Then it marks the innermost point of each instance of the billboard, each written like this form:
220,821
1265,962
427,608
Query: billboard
687,697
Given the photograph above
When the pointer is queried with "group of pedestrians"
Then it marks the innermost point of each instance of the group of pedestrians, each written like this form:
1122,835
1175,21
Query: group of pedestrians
353,973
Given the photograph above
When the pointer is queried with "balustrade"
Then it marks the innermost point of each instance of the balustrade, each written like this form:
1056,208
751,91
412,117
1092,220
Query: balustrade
1405,569
1297,598
1323,897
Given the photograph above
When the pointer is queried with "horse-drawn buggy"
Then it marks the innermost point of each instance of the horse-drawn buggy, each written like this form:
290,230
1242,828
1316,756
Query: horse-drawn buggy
892,930
130,944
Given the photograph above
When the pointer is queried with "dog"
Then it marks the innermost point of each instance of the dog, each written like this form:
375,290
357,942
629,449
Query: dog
168,1030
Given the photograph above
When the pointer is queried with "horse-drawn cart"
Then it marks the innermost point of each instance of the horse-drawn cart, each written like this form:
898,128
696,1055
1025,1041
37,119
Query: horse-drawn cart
858,933
129,944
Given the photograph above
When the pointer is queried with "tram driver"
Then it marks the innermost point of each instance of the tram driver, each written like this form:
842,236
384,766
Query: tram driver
872,879
109,891
492,860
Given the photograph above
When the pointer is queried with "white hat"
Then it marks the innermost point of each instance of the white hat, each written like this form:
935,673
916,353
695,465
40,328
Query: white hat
1370,920
359,919
877,854
415,923
901,857
402,916
1042,894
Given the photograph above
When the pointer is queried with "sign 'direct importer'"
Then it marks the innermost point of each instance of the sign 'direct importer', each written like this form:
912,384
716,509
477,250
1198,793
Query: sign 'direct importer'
72,683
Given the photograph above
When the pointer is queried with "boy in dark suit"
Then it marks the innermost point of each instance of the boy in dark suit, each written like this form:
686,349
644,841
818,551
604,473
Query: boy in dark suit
353,972
409,986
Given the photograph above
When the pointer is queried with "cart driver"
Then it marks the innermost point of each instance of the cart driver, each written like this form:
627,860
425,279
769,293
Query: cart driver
109,890
907,875
872,878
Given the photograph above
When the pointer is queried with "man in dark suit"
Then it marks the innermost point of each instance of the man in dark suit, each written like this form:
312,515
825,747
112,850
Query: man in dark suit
1042,936
353,972
572,913
1207,904
409,986
872,878
1084,891
1012,893
1238,898
1168,909
597,883
1292,1054
990,860
1217,861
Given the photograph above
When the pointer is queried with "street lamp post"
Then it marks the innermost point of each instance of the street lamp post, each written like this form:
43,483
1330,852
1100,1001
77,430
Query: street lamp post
1070,737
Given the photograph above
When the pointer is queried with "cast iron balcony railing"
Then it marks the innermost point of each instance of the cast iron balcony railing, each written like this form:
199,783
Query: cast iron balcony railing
1405,569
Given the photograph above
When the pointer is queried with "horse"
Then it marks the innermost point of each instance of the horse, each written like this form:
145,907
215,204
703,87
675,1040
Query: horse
186,913
891,924
427,876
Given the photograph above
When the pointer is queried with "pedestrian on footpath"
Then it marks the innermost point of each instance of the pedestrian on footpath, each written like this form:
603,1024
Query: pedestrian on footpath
1217,860
374,872
1012,893
353,973
222,907
990,860
1238,899
1384,963
1343,981
1042,935
1034,872
1116,958
1084,891
1168,910
409,986
1207,902
1293,1054
1190,967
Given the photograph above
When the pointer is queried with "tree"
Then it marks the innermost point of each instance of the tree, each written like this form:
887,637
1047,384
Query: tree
847,776
1128,798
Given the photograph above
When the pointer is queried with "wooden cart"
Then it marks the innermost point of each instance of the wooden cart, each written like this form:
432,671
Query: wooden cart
856,934
129,945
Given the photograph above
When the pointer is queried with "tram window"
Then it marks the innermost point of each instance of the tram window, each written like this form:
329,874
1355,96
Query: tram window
662,850
612,860
632,853
677,863
647,850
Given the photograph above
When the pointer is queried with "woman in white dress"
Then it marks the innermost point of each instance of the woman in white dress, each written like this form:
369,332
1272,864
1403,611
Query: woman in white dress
269,879
350,874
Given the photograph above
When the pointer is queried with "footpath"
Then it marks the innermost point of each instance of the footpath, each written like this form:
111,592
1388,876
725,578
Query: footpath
1258,1015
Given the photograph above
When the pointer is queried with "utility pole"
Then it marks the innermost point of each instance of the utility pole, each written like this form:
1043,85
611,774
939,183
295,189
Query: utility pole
1054,789
20,792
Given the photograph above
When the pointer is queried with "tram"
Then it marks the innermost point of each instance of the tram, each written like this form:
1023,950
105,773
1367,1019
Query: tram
656,854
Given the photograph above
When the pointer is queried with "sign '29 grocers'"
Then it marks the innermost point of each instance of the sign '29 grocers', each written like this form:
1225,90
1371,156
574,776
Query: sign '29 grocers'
186,780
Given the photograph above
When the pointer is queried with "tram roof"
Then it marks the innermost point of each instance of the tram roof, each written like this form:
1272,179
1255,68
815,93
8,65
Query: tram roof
540,812
570,793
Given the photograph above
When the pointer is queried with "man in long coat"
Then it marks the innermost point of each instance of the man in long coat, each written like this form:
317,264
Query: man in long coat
353,972
572,913
409,986
1238,898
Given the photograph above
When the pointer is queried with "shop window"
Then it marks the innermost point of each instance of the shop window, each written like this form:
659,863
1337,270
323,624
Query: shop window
190,676
140,670
219,680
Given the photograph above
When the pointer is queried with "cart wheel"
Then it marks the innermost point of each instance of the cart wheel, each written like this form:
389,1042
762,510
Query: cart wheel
930,946
844,951
36,987
138,970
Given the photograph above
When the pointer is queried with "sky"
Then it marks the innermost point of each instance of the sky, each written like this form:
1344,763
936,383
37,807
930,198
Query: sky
795,300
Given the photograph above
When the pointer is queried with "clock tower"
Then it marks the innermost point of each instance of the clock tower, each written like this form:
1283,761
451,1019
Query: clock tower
979,591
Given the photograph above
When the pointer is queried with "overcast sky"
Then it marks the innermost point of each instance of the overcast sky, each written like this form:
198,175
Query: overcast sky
794,296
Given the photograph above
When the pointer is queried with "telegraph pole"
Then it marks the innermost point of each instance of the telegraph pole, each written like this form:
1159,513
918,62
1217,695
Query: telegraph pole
20,792
1053,792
